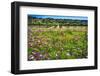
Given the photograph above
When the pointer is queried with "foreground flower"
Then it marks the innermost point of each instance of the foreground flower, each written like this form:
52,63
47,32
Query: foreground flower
31,57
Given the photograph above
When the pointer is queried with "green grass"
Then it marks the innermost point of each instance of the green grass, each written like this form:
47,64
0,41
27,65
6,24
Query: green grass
56,43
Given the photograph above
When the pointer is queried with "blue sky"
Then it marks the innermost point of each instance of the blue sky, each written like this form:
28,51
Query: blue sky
61,17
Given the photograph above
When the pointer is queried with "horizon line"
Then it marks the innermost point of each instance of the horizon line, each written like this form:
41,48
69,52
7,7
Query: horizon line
59,17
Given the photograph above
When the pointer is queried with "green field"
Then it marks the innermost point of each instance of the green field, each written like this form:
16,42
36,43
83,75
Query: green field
52,43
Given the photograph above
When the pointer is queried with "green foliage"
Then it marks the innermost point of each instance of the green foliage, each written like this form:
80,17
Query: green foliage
29,50
56,43
55,22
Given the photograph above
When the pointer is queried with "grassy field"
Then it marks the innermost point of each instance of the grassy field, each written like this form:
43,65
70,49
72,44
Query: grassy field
52,43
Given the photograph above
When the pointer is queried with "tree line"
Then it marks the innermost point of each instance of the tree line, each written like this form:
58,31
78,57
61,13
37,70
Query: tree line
56,22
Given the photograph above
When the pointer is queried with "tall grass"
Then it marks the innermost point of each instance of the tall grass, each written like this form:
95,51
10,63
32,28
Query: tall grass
68,42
